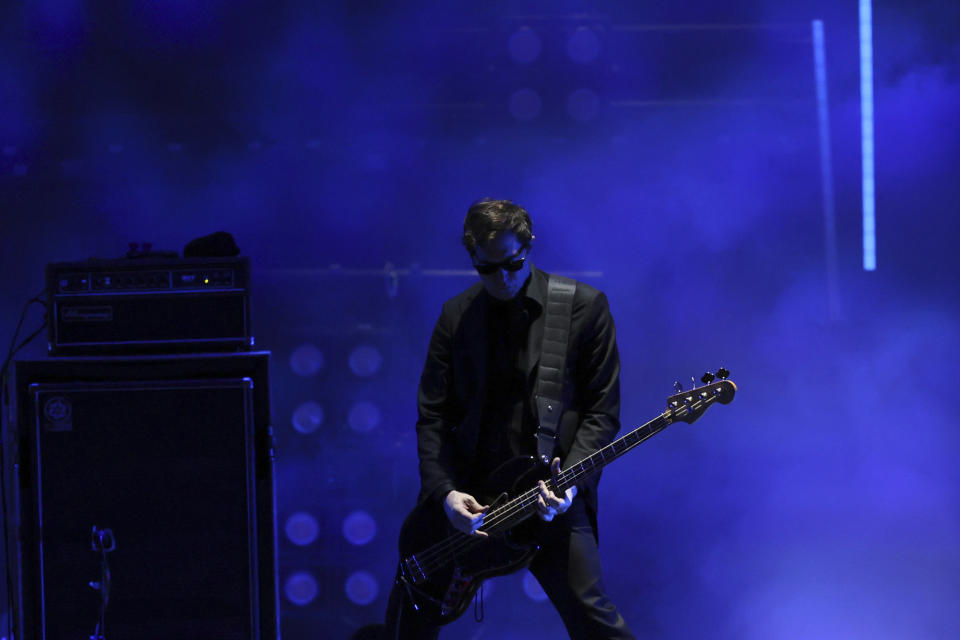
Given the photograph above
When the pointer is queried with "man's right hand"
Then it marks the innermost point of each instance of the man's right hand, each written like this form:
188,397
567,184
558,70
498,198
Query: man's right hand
464,512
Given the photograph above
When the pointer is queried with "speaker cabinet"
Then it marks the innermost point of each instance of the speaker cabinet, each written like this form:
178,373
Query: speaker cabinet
167,459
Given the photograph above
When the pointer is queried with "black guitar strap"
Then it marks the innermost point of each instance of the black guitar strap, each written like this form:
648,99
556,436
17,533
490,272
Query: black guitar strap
553,358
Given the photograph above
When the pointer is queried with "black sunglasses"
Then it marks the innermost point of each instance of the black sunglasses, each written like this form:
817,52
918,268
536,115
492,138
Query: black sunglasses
513,263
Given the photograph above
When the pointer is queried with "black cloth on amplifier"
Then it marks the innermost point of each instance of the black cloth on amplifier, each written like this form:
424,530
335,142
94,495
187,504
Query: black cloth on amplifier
219,244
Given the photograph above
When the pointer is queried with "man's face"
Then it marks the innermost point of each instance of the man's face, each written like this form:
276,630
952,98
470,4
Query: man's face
503,247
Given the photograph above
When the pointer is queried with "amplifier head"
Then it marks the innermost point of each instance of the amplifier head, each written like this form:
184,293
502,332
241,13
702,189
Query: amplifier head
169,305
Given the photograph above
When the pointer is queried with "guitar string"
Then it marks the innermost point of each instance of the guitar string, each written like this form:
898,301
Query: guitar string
501,516
437,555
522,502
461,540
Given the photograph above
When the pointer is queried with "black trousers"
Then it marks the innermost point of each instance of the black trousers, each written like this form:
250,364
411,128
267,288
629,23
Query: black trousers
567,568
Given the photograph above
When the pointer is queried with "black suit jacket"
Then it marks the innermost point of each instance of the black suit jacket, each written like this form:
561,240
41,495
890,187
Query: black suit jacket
451,393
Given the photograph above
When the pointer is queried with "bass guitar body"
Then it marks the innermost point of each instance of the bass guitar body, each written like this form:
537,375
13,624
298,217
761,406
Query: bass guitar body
443,568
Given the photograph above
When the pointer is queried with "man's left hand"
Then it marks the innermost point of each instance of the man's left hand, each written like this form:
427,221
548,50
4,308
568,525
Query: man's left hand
550,504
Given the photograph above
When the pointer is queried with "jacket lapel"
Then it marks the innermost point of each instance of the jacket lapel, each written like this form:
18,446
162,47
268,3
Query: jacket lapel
537,293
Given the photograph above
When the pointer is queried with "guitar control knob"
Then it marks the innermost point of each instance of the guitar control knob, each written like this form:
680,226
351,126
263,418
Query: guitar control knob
677,386
707,378
722,373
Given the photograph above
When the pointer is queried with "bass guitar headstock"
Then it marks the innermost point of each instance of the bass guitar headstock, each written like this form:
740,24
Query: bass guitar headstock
687,406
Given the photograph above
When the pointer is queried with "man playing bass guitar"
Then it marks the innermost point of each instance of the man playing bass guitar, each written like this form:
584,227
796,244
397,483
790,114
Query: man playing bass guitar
478,410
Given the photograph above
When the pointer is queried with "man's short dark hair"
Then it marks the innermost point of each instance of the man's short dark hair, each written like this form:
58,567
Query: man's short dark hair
487,218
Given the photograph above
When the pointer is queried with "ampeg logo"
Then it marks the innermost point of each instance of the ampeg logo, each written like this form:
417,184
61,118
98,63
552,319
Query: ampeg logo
86,314
58,413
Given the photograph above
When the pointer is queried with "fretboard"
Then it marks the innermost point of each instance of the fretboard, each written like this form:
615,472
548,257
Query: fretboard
602,457
685,406
525,505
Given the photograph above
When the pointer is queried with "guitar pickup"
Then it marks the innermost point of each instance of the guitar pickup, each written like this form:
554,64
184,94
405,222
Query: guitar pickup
414,571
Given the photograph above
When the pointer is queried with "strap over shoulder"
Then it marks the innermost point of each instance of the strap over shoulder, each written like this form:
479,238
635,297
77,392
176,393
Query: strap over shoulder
553,358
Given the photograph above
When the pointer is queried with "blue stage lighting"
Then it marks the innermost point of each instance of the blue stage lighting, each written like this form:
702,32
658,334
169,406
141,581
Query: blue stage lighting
308,417
364,417
826,168
866,136
301,528
301,588
306,360
365,360
359,528
583,46
362,588
524,45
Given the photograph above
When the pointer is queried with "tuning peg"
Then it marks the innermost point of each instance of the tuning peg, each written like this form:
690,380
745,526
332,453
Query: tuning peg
707,378
722,373
677,386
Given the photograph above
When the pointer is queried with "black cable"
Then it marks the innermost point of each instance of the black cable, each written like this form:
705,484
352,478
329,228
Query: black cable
12,350
104,542
4,405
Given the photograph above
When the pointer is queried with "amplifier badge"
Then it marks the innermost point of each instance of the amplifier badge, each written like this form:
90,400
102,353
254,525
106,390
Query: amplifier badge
58,412
86,314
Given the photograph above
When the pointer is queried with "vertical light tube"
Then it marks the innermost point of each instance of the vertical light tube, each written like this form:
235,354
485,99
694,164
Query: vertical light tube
826,169
866,136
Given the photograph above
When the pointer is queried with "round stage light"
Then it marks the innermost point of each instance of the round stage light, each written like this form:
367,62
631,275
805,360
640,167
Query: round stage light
301,588
359,528
365,360
583,105
525,104
524,45
364,417
308,417
532,588
583,45
302,528
362,588
306,360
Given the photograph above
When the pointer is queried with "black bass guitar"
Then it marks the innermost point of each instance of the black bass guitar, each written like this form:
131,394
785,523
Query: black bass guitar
442,568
